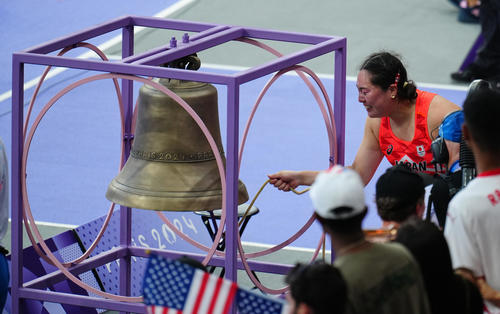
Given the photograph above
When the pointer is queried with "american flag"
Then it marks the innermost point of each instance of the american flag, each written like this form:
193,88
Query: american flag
252,302
171,287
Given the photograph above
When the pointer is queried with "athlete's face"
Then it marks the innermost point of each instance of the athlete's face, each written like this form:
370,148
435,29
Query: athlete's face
376,101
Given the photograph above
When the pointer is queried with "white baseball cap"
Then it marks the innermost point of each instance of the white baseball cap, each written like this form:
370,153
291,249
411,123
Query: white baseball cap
338,187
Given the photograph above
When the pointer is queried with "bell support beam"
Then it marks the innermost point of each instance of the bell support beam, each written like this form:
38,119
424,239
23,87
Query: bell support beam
86,34
233,95
300,38
193,38
339,109
15,187
208,35
116,67
199,45
290,60
116,24
179,25
126,212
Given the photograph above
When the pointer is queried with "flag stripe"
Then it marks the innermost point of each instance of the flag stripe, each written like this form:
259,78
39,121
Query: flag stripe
225,290
201,291
209,295
230,298
216,292
193,292
152,309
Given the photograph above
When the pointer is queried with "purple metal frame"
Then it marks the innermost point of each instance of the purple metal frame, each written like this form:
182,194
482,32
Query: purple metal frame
145,64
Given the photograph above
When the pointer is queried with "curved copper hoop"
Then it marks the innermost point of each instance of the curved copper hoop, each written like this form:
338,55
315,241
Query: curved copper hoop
28,115
301,231
159,87
212,251
331,132
330,125
307,224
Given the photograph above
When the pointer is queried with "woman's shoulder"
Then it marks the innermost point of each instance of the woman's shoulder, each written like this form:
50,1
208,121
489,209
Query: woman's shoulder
439,108
373,124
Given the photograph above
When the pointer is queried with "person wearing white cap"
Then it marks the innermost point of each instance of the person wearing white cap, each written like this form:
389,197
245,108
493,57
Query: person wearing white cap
381,277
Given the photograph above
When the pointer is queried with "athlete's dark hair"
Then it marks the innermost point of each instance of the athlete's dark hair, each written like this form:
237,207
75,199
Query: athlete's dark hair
384,67
481,112
318,285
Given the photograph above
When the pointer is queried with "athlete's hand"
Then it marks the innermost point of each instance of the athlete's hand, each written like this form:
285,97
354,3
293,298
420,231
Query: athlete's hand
285,180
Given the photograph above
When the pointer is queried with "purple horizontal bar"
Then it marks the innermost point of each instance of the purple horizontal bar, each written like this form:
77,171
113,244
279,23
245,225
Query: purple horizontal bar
209,32
290,60
287,36
267,267
199,45
145,54
118,67
151,52
156,22
80,300
80,36
89,264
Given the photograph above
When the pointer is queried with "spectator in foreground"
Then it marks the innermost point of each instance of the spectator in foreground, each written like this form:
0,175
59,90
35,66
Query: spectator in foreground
447,291
317,288
381,277
473,222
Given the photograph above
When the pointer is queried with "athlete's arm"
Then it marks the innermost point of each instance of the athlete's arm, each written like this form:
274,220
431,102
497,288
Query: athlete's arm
369,154
365,163
439,108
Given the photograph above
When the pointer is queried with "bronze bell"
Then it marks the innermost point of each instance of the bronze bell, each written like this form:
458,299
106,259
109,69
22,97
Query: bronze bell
171,166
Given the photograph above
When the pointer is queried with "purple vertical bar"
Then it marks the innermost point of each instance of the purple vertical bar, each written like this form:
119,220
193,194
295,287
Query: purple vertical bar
16,196
339,108
339,102
126,212
233,95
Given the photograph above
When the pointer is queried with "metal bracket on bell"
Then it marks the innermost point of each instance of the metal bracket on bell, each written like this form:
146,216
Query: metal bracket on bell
191,62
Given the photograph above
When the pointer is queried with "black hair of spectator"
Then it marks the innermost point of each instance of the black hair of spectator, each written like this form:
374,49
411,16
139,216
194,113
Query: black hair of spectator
384,68
481,112
318,285
192,262
343,226
397,193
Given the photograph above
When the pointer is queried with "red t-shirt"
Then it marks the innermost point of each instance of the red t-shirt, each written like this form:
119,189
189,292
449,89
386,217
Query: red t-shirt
415,154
